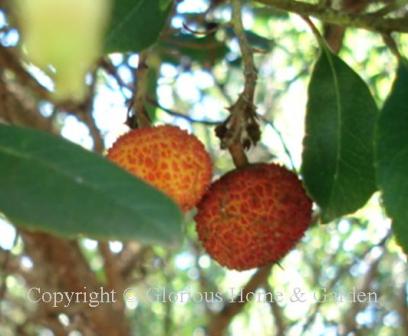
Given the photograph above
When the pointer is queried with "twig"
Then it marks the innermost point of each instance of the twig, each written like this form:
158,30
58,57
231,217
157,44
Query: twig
250,71
133,262
203,33
110,69
54,260
96,135
350,324
390,42
4,267
192,45
86,115
324,3
334,34
169,275
221,88
206,284
314,29
140,118
340,273
238,155
9,60
18,110
220,322
280,324
389,8
111,269
173,113
241,129
281,139
113,273
329,15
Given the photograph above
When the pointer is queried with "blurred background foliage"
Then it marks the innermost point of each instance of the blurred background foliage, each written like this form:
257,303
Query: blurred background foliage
194,75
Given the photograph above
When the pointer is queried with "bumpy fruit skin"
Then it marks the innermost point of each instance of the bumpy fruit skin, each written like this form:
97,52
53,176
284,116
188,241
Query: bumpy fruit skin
253,216
168,158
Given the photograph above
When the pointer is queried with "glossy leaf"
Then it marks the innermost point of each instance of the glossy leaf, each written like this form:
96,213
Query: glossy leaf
52,185
338,155
392,155
136,24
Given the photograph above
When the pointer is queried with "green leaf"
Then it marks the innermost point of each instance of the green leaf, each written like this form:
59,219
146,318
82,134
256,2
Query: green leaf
205,50
50,184
338,154
392,155
136,24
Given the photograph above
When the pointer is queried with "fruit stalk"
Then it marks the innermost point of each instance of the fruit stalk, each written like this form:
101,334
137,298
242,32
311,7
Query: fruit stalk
241,127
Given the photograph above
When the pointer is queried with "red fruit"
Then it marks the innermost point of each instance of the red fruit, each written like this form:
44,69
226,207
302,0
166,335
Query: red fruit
168,158
253,216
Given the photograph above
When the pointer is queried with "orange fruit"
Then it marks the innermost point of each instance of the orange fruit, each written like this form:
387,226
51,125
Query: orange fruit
253,216
168,158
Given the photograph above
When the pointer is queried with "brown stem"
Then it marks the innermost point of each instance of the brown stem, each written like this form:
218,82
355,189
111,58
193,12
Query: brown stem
334,34
329,15
4,267
314,29
392,45
220,322
238,155
341,272
113,274
18,110
86,115
250,71
241,129
350,324
389,8
174,113
62,267
9,60
141,119
277,312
